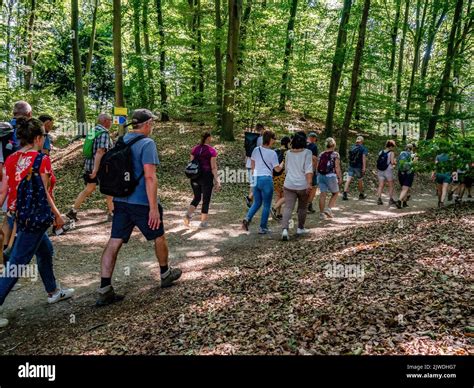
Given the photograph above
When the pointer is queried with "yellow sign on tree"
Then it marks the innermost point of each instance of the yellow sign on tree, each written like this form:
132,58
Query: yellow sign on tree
120,111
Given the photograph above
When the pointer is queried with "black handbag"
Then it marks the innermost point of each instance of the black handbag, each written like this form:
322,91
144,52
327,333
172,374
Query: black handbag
193,169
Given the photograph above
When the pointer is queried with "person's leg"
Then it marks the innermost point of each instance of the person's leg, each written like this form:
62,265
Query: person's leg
322,201
439,190
206,187
360,185
380,188
444,191
161,251
44,258
302,206
109,257
257,200
290,200
197,195
403,193
110,204
267,194
333,199
7,231
88,190
348,183
390,189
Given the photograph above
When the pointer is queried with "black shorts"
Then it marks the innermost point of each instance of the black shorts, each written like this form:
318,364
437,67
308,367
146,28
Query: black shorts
468,181
127,216
87,178
406,179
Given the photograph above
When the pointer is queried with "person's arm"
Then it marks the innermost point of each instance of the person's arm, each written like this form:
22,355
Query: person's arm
364,163
4,189
338,171
215,173
314,160
393,160
151,183
309,168
58,222
98,157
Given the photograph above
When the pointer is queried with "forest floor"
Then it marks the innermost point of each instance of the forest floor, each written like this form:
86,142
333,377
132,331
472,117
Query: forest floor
242,293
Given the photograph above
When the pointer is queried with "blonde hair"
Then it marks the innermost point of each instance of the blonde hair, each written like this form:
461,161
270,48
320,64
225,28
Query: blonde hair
359,139
330,142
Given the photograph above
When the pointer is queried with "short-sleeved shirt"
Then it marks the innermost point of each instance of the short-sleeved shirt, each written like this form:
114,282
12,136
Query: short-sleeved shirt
17,167
405,162
443,158
334,155
47,142
204,153
297,165
265,166
313,148
364,151
102,141
143,152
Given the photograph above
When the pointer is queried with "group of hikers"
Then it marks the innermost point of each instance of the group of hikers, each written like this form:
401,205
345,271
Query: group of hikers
125,171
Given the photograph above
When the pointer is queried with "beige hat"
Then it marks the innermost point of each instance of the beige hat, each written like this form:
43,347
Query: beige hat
359,139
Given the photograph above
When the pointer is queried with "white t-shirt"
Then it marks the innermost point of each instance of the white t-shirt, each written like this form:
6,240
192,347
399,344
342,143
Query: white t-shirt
269,156
297,165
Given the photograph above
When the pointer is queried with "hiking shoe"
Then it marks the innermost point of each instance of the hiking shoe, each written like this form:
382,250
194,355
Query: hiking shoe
170,276
310,208
245,224
392,202
110,217
450,196
279,217
404,204
264,230
301,232
322,216
61,294
362,196
344,196
107,296
284,235
187,219
440,204
469,196
72,214
204,224
457,200
379,201
328,212
248,201
399,204
274,213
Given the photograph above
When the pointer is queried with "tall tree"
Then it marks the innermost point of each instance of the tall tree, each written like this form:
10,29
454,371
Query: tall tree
163,92
450,56
76,57
117,47
29,54
393,50
235,12
218,62
243,33
150,90
398,93
354,80
290,33
90,54
337,65
138,51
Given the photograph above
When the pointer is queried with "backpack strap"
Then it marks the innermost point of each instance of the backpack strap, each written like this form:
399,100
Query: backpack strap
37,162
261,155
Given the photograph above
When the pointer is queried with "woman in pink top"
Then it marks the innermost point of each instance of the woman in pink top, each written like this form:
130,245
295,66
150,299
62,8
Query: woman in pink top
203,186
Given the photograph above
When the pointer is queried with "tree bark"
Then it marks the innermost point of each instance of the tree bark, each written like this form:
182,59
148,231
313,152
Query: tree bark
91,47
146,40
235,11
138,53
398,97
354,80
393,50
286,61
76,57
337,65
29,55
447,71
243,33
218,61
117,48
163,93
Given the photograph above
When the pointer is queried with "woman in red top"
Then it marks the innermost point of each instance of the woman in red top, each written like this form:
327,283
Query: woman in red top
29,243
203,186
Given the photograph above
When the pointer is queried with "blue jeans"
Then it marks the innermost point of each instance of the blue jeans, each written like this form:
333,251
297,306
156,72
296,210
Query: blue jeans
26,246
262,192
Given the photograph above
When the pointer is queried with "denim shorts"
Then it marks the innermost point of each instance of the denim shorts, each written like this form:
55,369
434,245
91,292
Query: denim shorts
386,175
443,178
127,216
328,184
355,172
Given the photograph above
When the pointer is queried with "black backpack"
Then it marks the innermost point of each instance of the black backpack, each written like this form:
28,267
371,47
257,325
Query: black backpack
116,176
382,160
355,156
193,168
250,142
281,156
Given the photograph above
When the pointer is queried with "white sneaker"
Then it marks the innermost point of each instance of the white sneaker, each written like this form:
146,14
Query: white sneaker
301,232
61,294
284,235
328,212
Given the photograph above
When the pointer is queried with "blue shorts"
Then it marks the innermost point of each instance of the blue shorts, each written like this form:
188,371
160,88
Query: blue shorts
127,216
328,184
443,178
355,172
406,179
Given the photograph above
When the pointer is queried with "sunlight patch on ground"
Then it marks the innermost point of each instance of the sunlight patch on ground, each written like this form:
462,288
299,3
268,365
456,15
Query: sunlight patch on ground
448,345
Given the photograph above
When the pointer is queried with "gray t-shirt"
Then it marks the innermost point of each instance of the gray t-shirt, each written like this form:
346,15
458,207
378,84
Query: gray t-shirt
297,165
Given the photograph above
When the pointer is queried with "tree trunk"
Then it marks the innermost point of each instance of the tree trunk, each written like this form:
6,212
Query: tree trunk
243,34
337,65
286,61
138,53
29,55
398,97
76,57
8,43
163,93
393,50
354,80
91,47
218,61
200,66
447,71
150,90
235,11
117,48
